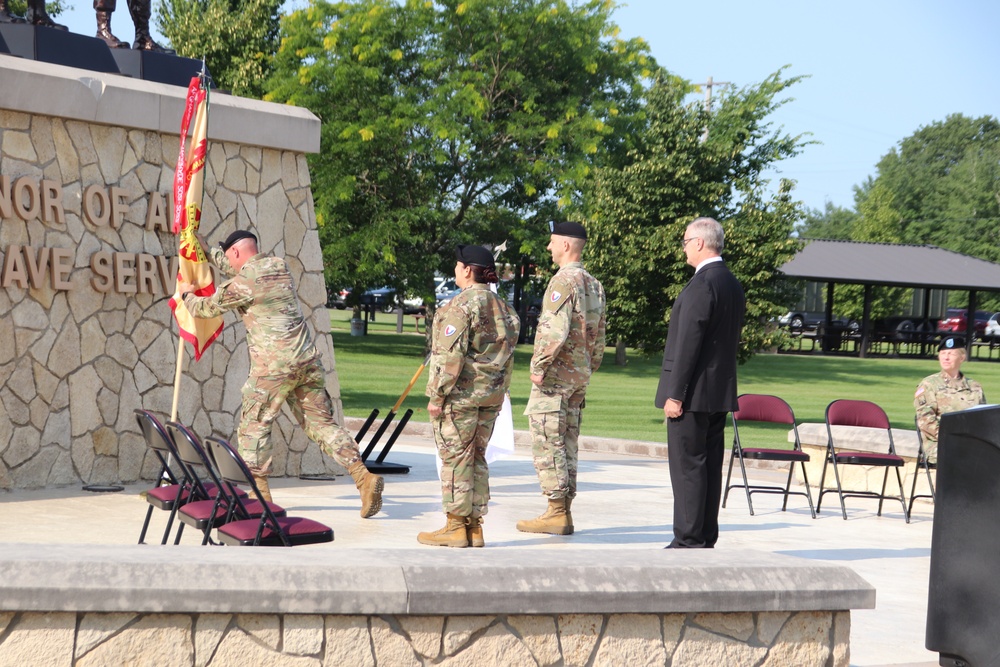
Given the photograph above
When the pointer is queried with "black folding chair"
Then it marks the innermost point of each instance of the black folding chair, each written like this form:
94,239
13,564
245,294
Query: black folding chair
845,412
169,493
268,530
218,505
927,466
762,408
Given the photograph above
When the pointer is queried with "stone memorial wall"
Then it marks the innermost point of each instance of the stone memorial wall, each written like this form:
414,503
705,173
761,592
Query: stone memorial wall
87,266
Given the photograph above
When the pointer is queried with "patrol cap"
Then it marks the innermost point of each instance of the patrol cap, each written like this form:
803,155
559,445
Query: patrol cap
952,343
235,237
571,229
475,255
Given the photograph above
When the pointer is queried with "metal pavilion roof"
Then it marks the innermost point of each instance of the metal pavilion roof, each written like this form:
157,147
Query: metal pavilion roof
892,264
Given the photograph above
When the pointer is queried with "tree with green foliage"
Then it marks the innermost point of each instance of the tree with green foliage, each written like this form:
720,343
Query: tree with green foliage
20,7
237,38
877,221
945,182
833,222
638,211
451,122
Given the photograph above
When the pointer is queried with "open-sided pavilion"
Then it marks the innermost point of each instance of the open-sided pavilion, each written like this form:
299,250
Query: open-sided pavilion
924,267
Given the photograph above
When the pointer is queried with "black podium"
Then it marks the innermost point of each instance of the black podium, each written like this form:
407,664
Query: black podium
963,607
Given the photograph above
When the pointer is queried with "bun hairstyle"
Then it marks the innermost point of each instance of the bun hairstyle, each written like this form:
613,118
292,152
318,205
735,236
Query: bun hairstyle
484,274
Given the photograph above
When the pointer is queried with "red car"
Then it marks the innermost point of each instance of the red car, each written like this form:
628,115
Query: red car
954,322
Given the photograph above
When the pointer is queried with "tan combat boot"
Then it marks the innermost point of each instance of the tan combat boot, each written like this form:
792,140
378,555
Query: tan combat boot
452,535
555,521
263,486
474,531
369,486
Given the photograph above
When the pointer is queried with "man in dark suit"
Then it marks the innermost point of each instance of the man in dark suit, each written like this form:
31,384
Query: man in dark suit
698,384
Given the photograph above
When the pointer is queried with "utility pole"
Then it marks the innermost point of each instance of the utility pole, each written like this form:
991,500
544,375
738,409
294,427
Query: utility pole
708,99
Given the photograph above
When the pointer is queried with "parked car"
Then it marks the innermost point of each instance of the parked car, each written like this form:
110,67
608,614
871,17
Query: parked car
954,321
992,330
443,284
335,298
386,300
804,320
903,329
443,297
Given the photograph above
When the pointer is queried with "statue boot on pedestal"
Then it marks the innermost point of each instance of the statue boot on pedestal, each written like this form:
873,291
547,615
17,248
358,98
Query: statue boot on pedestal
140,10
104,8
6,16
38,16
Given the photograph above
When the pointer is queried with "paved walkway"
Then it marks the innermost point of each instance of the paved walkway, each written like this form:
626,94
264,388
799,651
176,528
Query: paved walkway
623,502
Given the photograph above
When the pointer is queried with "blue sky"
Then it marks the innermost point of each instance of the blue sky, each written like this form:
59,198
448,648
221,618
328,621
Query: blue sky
878,69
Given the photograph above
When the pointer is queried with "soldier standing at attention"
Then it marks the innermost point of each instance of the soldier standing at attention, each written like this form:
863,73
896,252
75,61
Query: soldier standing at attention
569,348
285,366
947,391
472,356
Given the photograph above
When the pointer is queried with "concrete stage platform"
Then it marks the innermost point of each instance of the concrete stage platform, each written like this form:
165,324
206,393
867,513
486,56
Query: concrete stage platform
624,503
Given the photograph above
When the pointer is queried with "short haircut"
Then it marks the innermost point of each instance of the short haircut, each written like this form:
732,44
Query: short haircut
709,231
575,244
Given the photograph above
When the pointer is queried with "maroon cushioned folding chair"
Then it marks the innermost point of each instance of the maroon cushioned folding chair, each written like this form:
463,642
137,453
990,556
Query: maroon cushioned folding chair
216,508
762,408
927,466
268,530
170,492
845,412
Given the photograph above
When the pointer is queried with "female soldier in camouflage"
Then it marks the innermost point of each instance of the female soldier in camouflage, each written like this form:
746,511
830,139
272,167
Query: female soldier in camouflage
472,355
947,391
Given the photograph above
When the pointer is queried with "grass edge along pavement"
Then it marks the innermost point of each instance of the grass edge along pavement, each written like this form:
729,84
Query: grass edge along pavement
373,371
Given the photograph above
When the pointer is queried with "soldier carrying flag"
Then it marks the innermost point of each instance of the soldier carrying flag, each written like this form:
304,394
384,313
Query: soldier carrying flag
285,366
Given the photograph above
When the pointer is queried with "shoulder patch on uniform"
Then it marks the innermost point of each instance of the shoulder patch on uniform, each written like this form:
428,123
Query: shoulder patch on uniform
450,330
556,295
920,390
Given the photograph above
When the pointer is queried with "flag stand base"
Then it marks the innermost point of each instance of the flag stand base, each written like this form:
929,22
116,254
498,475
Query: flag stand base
380,465
387,468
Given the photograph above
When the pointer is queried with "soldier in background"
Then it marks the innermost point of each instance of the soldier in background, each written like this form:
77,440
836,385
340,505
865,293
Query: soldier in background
285,366
472,356
947,391
569,347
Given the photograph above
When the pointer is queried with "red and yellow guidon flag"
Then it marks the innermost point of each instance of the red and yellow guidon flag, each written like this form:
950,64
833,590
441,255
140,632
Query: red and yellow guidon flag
189,180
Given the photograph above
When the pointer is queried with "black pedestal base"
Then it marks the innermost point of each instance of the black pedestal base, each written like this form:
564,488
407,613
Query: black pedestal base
159,67
35,42
60,47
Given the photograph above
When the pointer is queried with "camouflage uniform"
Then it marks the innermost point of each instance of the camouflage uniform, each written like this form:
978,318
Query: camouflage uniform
569,347
472,357
285,366
938,394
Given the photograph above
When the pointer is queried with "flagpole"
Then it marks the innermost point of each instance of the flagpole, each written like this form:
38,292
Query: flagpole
177,378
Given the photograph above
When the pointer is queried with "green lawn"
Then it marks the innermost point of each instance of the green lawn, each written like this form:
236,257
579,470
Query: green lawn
374,370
